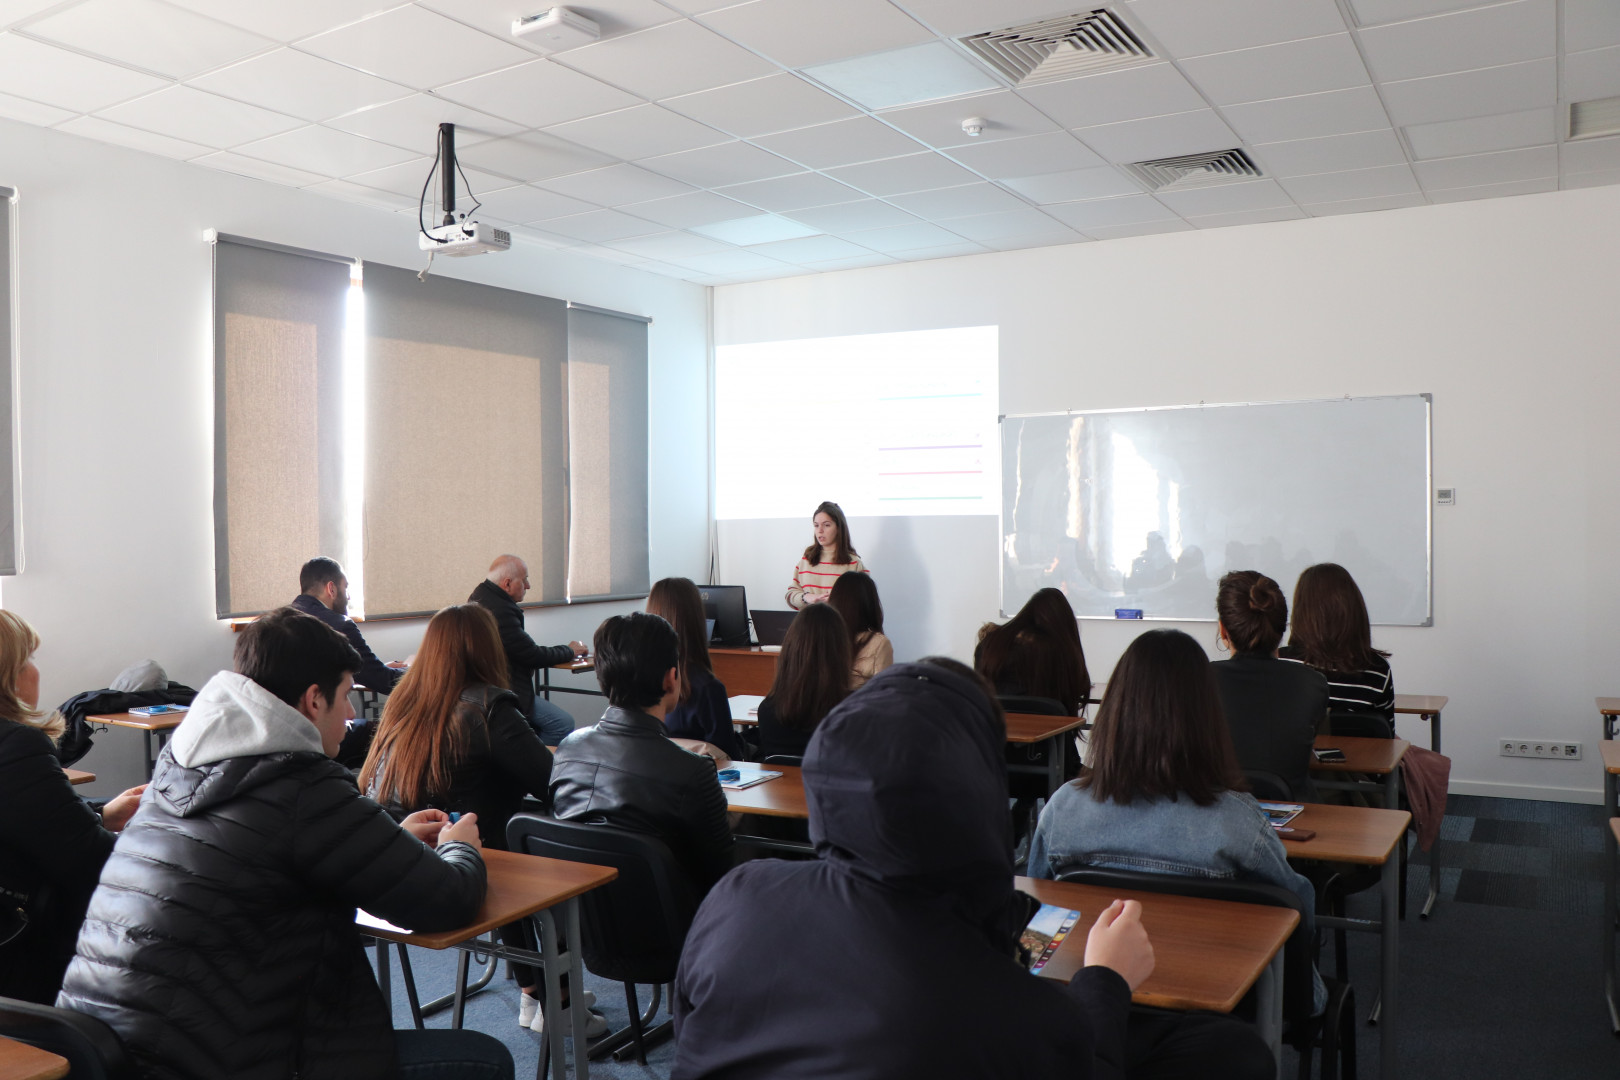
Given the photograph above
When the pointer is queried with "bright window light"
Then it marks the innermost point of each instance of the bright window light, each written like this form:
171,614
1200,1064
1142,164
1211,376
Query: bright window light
354,443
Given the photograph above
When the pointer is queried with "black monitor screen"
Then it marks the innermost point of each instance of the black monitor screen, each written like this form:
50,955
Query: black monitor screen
727,605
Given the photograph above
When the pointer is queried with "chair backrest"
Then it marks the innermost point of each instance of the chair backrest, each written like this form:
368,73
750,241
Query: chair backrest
1039,706
1360,725
634,926
1268,785
794,760
91,1048
1299,952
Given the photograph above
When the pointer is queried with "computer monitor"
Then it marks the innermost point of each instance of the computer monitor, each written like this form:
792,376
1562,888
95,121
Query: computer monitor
727,605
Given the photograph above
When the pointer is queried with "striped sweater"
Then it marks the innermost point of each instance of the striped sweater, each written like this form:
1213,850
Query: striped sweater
812,583
1371,690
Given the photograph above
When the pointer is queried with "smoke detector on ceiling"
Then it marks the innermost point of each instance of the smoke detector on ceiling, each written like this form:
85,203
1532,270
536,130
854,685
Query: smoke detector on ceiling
1195,170
555,30
1060,48
974,126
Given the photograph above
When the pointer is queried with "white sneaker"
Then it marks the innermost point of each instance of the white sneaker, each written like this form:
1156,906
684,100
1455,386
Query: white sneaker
596,1024
528,1009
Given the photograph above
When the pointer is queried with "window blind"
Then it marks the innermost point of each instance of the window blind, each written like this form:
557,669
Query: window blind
278,423
607,455
8,336
465,439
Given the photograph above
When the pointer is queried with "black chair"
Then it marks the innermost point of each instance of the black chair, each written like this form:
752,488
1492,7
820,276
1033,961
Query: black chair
1026,763
1268,786
1359,725
634,927
92,1048
1334,1030
1024,703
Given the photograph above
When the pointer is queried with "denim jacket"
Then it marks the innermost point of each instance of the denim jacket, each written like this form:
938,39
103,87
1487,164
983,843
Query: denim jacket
1230,839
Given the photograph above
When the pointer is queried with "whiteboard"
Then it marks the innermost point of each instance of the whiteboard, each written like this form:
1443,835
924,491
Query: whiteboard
1147,508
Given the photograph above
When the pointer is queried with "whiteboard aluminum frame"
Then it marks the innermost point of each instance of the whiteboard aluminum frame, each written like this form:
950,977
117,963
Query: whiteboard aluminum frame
1428,503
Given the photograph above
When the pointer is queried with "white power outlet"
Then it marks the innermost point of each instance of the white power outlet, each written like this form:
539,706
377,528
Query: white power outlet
1541,748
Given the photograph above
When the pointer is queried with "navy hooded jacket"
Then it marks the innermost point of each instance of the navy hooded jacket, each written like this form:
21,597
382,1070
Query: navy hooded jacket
890,955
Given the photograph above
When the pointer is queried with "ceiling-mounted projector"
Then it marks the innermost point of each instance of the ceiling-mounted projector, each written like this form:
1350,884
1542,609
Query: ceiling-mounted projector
456,233
557,29
464,238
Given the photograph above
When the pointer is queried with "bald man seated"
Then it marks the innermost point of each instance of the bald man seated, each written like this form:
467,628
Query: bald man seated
501,592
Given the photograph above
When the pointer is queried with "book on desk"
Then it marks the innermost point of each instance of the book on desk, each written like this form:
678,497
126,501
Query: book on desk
746,777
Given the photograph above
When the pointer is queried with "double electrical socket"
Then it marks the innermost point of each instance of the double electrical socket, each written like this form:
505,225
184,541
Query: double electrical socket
1568,751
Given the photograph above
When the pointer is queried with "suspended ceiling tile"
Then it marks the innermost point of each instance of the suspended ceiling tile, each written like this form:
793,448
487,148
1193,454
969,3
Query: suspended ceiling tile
1115,96
1336,112
1482,92
843,142
153,36
1159,137
1374,12
92,127
949,251
642,131
616,185
1591,155
1482,134
1019,243
916,73
796,34
728,263
184,113
1140,228
756,229
1507,166
1195,27
532,156
413,123
859,262
904,238
538,94
31,112
1055,152
958,18
53,76
672,245
964,201
854,216
811,248
322,150
601,226
727,163
1363,206
288,20
524,203
13,12
1601,178
268,171
1591,24
901,175
1387,180
1226,199
1335,153
1105,213
761,106
1273,71
1493,191
306,86
1247,217
415,47
796,192
1593,74
1480,37
1004,224
408,179
1071,186
677,58
1005,116
698,208
495,17
352,192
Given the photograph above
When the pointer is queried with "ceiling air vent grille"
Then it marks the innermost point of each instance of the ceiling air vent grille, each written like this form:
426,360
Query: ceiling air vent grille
1590,119
1195,170
1060,48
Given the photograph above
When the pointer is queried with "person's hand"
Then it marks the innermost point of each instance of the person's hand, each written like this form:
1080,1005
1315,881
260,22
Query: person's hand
808,600
579,647
426,825
1119,942
398,665
119,809
464,830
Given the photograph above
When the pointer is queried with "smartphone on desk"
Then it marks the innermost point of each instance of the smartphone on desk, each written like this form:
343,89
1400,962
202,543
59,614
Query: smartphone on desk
1328,754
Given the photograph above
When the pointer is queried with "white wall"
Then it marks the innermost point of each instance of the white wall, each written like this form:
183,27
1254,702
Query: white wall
116,404
1503,310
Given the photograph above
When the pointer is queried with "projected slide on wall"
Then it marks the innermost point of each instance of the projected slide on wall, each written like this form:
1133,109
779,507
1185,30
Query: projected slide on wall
879,423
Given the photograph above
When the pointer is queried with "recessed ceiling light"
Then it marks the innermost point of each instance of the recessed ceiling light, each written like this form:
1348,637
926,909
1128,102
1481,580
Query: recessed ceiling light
1594,119
759,229
904,76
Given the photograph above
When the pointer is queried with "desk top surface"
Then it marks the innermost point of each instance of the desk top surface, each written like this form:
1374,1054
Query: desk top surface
579,665
1422,704
1353,834
1376,756
19,1061
1034,728
1609,706
161,722
758,652
782,796
1207,953
1610,749
519,885
79,776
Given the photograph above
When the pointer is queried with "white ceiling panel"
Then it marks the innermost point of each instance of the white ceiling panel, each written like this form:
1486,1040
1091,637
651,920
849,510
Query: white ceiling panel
1505,167
1481,37
617,185
1005,116
1071,186
757,229
1101,213
1591,155
1594,74
901,175
184,113
287,20
905,76
727,163
1311,66
53,76
1482,134
1030,156
957,18
1226,198
525,203
1493,191
1591,24
1019,243
147,34
797,192
642,131
671,245
1336,153
600,226
268,171
843,142
1004,224
416,47
92,127
1142,228
1373,12
796,34
698,208
306,86
762,106
1337,112
950,251
678,58
734,262
1114,96
857,263
530,157
1195,27
904,238
954,202
1247,217
1601,178
1354,184
1363,206
854,216
614,17
15,11
1482,92
349,191
413,123
322,150
811,249
31,112
1160,136
538,94
408,179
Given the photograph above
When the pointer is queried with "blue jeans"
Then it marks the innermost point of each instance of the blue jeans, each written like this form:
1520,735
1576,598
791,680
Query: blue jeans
550,722
443,1054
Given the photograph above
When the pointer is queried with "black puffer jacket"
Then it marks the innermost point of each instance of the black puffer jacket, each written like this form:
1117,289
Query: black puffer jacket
221,940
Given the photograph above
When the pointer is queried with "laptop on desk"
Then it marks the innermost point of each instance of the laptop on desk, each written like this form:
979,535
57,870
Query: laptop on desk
771,626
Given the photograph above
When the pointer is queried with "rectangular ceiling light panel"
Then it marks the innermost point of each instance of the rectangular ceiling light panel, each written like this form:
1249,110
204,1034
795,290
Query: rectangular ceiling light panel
1061,48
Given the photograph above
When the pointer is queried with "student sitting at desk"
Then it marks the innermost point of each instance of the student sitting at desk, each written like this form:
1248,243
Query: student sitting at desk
1037,653
1164,793
702,712
892,953
221,940
855,597
1332,634
811,679
501,593
1273,708
324,593
829,556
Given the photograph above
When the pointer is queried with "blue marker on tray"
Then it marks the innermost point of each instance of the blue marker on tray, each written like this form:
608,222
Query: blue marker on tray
1127,613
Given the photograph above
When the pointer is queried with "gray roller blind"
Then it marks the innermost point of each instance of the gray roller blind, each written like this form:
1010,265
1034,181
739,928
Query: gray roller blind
607,456
278,421
8,336
465,439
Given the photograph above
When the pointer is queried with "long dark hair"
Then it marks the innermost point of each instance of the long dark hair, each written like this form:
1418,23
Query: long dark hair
418,741
1252,608
1160,732
843,551
1331,629
1037,652
680,604
812,674
855,598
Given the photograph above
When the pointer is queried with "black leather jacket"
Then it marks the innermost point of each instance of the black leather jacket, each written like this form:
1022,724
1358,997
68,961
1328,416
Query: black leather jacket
624,771
523,656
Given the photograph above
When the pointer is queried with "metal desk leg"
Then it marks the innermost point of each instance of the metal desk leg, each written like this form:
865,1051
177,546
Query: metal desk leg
1389,931
1609,792
1054,762
567,914
1434,731
1268,1013
383,981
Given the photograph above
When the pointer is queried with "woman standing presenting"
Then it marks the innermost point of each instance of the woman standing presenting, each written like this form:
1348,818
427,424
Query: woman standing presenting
826,560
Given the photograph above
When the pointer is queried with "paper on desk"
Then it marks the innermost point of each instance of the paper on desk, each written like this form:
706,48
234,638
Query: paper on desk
367,920
745,706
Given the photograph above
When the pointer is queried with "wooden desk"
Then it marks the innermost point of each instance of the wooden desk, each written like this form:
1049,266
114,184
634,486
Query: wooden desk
744,671
148,726
1425,707
1371,757
79,776
1609,713
1027,729
521,886
781,797
19,1061
1611,784
582,665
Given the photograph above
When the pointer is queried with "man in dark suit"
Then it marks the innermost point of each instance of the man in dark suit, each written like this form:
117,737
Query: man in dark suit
501,592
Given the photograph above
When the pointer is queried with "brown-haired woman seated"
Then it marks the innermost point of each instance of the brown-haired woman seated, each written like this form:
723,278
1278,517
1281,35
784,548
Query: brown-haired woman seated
703,711
1332,634
1037,653
855,598
812,676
